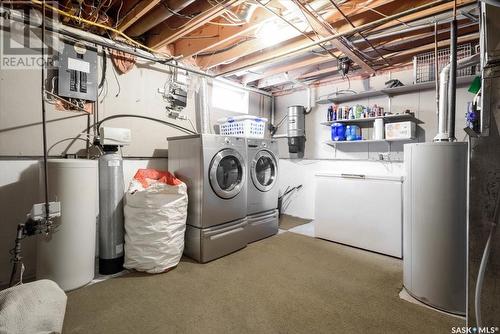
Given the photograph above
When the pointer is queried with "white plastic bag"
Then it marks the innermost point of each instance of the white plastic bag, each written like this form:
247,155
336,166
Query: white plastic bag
155,221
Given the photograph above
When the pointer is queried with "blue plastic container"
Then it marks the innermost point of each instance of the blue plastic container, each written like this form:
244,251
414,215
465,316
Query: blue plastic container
338,131
353,132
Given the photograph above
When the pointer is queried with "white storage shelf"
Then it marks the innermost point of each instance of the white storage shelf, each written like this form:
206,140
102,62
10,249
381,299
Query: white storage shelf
370,120
340,142
389,92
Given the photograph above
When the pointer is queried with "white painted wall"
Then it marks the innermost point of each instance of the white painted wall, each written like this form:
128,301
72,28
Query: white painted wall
354,158
295,172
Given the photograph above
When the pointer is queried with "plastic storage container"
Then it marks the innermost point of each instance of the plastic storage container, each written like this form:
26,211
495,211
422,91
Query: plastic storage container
400,130
353,132
338,131
378,129
243,126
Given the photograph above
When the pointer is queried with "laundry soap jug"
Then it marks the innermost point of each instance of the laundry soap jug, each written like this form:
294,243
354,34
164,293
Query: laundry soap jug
338,131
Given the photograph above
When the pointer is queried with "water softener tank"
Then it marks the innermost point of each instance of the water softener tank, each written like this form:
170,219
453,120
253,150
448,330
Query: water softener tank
111,190
66,255
435,224
296,130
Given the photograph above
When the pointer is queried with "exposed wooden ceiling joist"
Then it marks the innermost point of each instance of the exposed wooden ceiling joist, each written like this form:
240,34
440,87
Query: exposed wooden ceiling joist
253,46
165,10
324,30
214,36
424,13
171,30
135,13
408,41
266,57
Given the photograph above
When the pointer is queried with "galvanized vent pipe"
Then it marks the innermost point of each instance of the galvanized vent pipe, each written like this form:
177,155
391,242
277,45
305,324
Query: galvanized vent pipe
444,77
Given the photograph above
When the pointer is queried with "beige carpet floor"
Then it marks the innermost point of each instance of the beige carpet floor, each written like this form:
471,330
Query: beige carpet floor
288,283
288,222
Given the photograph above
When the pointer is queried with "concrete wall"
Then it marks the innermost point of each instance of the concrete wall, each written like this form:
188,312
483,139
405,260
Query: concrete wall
360,157
483,198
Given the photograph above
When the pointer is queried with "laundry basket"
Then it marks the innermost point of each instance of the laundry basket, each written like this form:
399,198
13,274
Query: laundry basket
243,126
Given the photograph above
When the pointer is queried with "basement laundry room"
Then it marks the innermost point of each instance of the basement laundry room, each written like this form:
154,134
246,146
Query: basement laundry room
260,166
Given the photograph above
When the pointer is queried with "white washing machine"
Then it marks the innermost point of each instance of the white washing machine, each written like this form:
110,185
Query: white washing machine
262,192
214,169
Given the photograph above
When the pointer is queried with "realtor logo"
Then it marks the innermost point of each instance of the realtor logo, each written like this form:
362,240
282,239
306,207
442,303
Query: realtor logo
21,43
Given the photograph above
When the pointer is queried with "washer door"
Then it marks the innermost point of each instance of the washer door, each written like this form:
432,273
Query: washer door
227,173
264,170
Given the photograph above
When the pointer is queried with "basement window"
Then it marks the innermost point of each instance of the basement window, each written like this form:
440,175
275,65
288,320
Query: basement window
229,98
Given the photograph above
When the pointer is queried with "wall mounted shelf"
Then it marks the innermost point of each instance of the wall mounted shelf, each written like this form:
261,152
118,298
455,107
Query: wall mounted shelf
368,141
390,92
387,119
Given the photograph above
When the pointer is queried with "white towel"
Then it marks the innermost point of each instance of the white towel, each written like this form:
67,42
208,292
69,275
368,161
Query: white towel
36,307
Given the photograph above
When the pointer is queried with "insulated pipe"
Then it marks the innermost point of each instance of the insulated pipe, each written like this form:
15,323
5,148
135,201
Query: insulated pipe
452,87
308,90
201,106
444,76
159,14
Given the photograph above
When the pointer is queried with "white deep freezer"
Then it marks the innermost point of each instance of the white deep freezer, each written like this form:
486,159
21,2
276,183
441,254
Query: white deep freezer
364,211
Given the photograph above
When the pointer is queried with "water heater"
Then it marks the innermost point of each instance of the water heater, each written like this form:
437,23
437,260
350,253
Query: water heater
435,224
296,130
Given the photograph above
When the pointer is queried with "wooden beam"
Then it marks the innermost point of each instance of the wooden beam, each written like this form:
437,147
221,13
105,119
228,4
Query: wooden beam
201,40
430,46
292,74
247,48
358,19
404,57
171,30
324,30
372,13
138,11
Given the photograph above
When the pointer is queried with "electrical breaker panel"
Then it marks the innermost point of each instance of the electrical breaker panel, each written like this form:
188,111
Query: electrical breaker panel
77,76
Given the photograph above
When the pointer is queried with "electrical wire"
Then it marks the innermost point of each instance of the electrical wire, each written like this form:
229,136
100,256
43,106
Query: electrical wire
117,82
117,21
177,13
44,121
176,126
225,24
192,125
102,26
227,48
63,140
103,68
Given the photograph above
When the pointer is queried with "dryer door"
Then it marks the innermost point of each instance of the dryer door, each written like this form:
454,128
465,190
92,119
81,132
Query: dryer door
264,170
227,173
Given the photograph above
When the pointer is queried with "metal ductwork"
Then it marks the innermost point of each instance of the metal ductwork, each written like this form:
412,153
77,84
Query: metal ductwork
444,87
201,106
160,13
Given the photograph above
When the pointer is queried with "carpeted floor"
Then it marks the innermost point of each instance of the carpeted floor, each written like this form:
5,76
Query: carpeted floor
288,283
287,222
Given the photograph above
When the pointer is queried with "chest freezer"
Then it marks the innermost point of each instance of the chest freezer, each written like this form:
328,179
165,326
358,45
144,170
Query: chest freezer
360,210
